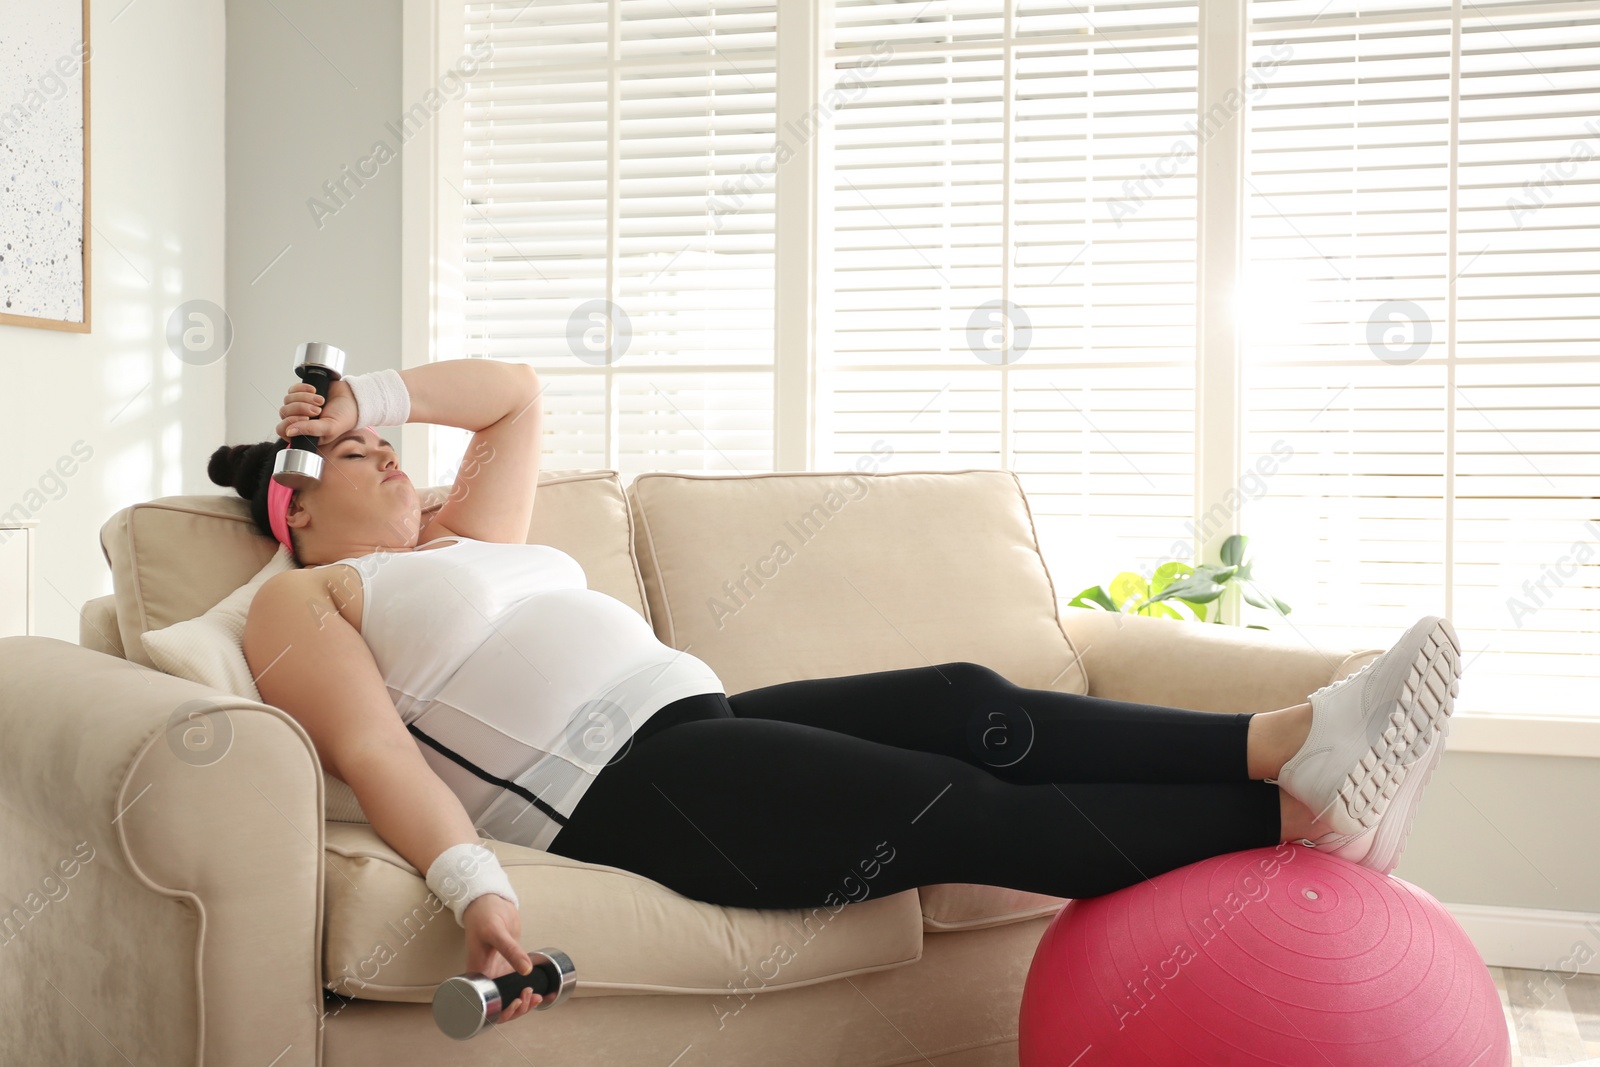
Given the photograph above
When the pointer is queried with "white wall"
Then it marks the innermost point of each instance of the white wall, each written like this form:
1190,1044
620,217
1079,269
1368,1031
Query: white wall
1512,831
311,88
147,420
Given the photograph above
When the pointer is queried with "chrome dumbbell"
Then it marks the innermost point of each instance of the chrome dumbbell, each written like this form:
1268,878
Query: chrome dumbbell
300,465
463,1006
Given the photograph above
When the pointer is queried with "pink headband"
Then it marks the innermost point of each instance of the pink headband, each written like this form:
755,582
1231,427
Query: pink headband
278,496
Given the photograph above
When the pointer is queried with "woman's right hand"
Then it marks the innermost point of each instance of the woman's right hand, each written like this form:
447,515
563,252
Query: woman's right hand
302,404
494,935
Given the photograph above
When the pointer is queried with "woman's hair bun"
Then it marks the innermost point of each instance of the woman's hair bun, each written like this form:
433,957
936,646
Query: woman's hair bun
240,467
247,470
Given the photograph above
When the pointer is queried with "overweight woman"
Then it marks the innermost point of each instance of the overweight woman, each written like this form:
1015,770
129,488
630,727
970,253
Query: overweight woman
464,682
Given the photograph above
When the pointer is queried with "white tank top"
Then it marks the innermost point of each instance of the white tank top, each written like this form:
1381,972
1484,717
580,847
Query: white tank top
517,681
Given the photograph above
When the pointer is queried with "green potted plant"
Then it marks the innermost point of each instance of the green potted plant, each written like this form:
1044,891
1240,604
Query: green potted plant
1177,583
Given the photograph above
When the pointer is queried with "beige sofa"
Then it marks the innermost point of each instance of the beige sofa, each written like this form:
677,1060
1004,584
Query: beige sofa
167,913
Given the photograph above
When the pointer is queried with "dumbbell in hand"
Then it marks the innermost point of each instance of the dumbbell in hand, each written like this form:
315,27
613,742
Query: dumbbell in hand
300,465
464,1005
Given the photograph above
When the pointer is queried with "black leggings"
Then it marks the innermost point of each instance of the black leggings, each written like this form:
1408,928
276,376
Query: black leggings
824,790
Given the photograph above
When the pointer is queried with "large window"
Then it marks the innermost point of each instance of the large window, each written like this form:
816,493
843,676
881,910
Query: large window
618,224
990,215
1009,260
1422,327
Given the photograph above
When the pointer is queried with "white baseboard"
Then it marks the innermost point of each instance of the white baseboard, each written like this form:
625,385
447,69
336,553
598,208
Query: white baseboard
1536,939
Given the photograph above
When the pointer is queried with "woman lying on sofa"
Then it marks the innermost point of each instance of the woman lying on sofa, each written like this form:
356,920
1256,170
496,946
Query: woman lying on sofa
584,735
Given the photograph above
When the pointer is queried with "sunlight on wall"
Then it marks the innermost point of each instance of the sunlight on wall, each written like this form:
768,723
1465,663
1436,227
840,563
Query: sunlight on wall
172,457
128,474
126,295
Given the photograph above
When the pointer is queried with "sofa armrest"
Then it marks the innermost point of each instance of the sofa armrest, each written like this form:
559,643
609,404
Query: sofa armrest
163,881
97,626
1202,666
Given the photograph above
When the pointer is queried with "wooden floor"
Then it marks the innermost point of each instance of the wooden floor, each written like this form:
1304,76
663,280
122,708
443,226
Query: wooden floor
1554,1020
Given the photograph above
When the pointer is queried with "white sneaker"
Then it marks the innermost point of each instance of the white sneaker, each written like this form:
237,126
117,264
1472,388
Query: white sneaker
1376,737
1353,847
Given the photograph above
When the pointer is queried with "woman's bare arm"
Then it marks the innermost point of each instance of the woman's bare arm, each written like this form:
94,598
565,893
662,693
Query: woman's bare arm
313,664
310,662
492,498
469,393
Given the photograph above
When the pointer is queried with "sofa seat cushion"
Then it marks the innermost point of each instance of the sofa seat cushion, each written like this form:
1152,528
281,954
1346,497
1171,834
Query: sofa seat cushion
175,557
774,577
386,937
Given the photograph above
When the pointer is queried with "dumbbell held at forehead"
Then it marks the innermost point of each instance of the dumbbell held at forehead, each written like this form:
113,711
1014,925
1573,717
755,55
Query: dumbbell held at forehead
300,465
463,1006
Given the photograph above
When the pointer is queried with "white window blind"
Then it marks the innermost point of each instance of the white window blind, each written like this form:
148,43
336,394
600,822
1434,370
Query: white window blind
618,227
1007,239
1424,251
1008,259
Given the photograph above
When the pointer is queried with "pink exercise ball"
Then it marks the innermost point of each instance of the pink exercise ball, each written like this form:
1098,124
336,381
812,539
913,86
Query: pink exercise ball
1269,956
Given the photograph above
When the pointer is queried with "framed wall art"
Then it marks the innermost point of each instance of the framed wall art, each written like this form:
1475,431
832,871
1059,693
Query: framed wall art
44,164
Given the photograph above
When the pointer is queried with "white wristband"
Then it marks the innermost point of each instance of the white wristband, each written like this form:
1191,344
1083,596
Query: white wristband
463,873
382,398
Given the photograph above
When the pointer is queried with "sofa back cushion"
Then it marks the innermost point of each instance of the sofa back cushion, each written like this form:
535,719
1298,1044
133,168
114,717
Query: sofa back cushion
774,577
175,557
